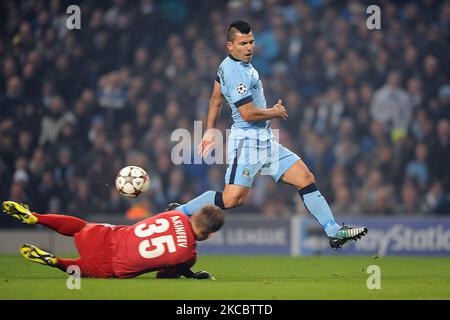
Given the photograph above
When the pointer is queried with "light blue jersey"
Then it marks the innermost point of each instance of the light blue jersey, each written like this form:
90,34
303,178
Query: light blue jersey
240,84
251,145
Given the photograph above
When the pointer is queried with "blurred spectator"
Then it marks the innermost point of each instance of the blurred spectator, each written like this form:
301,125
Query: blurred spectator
17,192
46,189
54,121
143,118
417,168
344,204
382,202
112,96
414,87
439,158
26,146
64,168
436,200
139,210
38,164
442,110
176,184
81,203
391,104
21,174
12,98
117,203
367,195
432,78
410,200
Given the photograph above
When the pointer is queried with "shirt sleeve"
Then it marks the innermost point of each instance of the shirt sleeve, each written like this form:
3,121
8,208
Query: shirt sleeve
239,83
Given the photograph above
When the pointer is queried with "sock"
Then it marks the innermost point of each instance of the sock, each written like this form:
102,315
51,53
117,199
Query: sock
209,197
65,225
63,264
316,204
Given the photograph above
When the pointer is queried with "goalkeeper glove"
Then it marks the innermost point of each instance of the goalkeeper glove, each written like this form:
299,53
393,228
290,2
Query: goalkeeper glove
203,275
199,275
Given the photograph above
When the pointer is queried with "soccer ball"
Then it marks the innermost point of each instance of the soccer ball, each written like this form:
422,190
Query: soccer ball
131,181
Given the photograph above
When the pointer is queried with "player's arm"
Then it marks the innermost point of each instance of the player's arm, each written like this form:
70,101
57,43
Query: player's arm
238,83
199,275
168,273
215,106
250,113
183,269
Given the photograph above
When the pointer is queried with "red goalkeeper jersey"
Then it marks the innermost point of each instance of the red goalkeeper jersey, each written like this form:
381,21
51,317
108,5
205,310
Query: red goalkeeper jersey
159,242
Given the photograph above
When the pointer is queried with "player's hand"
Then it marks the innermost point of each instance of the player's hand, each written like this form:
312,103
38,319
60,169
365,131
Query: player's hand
202,275
199,275
280,110
207,144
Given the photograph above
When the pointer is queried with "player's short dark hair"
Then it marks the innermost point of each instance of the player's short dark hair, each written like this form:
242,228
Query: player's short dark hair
210,219
238,26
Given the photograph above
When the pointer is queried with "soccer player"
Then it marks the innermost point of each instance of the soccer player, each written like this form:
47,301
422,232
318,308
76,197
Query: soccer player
251,144
165,243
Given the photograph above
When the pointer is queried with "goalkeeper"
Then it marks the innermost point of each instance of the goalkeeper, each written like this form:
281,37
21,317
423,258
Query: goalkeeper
165,243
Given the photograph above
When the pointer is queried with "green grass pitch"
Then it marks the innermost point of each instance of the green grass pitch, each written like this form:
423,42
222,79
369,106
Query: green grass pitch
238,277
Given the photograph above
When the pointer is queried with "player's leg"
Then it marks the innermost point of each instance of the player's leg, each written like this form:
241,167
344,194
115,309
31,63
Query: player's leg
19,211
238,180
193,206
34,254
232,196
64,264
300,176
287,167
65,225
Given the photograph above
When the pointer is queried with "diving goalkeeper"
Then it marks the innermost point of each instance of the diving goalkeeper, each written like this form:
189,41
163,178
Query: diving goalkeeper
165,243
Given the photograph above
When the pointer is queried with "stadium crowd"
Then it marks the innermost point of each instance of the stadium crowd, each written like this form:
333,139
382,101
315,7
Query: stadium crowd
369,110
